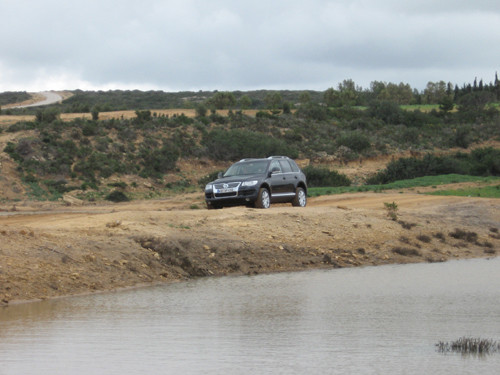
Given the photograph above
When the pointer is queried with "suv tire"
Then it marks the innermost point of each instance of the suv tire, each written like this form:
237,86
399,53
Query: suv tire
263,200
300,199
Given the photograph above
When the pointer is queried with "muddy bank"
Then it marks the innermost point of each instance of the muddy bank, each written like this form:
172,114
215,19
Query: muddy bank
65,251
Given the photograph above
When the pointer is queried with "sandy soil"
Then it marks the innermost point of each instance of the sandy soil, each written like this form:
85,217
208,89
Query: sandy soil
49,249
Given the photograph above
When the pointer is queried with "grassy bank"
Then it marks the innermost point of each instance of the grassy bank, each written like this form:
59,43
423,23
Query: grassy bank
484,192
414,183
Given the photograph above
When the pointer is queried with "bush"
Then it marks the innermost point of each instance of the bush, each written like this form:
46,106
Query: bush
312,112
356,141
389,112
237,144
48,115
485,162
89,129
408,168
480,162
158,161
143,116
117,196
322,177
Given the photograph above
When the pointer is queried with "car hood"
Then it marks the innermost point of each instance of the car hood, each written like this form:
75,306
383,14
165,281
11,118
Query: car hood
237,178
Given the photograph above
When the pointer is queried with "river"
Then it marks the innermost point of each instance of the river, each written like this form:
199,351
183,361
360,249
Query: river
372,320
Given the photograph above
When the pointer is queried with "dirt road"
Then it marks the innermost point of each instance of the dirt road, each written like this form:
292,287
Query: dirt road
50,250
39,99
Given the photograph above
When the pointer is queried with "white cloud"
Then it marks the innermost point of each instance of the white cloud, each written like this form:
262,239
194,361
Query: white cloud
222,44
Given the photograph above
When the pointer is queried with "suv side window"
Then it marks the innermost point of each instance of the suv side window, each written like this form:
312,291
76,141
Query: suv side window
295,168
285,166
275,165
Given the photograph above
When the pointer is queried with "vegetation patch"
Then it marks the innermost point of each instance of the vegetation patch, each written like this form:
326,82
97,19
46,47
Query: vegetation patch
117,196
483,192
392,210
469,345
406,251
464,235
320,177
480,162
403,184
424,238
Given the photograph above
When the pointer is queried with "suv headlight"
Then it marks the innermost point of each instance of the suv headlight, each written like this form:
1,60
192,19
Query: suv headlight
249,183
209,187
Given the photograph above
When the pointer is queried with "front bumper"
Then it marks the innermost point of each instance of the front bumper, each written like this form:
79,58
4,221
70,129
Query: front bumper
244,195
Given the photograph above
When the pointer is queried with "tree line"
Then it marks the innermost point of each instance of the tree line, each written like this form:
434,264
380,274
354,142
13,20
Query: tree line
346,94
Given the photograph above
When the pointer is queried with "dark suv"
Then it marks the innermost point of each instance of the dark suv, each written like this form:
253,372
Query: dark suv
257,183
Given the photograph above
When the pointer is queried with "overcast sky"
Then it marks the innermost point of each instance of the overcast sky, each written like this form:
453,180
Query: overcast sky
177,45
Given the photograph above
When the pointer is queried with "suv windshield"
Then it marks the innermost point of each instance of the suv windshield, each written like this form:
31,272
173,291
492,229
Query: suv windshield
247,168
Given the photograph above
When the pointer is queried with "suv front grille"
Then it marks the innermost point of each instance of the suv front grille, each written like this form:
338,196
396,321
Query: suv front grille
229,189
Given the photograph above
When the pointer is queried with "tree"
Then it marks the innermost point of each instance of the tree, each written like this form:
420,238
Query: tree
201,110
245,102
401,94
348,92
475,101
434,92
497,86
274,101
47,115
287,108
143,115
95,114
305,97
222,100
446,104
331,98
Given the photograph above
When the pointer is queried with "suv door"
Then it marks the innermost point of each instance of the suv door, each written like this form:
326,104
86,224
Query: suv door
278,179
289,177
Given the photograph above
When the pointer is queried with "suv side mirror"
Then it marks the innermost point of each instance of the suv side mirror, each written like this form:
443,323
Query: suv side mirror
219,175
273,171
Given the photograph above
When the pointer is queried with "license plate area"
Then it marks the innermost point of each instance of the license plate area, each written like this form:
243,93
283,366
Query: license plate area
225,191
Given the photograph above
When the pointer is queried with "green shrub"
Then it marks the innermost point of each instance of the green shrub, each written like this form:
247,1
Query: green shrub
157,161
480,162
237,144
89,129
48,115
313,112
120,184
387,111
143,116
117,196
356,141
320,177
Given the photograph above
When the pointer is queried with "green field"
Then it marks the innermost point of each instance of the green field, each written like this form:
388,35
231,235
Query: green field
420,107
483,192
408,184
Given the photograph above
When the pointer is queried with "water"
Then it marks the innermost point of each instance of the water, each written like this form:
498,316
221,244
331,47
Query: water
374,320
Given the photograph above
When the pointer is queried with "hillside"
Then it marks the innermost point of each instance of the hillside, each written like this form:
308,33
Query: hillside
147,153
61,237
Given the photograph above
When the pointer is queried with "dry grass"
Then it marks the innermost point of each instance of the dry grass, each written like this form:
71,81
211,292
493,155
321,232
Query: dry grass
10,119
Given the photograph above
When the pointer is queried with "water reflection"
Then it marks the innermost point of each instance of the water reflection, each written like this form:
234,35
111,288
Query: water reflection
363,320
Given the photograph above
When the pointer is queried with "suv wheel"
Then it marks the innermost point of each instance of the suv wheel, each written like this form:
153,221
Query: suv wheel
300,199
263,200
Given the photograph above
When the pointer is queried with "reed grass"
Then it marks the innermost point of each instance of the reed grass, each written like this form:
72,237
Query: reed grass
469,345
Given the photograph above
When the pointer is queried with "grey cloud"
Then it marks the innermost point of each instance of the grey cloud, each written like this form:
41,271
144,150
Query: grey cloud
222,44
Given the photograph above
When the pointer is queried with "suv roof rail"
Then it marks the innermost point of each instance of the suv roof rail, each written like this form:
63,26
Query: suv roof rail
278,157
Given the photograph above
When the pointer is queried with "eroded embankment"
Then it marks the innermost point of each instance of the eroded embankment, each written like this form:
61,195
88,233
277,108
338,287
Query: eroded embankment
96,248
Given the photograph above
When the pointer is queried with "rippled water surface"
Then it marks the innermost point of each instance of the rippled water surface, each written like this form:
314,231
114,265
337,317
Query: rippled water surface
374,320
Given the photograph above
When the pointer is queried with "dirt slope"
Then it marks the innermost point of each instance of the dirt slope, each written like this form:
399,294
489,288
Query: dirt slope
50,250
